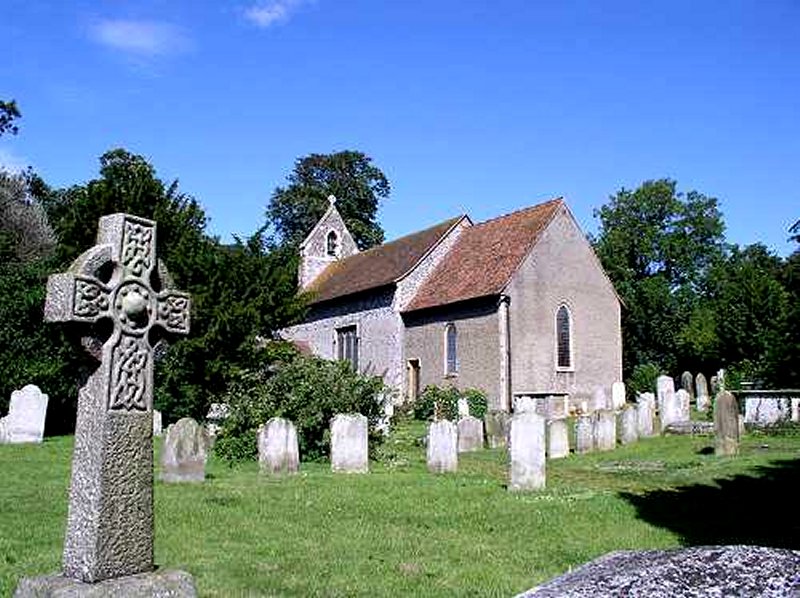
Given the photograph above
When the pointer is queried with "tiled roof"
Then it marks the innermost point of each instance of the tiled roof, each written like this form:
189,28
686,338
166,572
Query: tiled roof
485,257
377,267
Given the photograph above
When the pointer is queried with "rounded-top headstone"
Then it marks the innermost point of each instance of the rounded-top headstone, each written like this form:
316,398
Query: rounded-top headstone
278,450
349,443
726,424
26,415
183,458
687,383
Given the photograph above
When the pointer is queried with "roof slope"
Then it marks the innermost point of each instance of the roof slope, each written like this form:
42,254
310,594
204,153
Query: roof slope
380,266
485,257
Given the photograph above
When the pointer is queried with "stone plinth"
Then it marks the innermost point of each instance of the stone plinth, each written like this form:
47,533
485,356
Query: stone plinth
159,584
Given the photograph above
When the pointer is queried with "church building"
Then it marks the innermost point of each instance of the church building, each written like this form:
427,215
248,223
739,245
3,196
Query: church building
516,305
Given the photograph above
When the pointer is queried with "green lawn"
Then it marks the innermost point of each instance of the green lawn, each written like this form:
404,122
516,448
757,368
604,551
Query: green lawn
402,531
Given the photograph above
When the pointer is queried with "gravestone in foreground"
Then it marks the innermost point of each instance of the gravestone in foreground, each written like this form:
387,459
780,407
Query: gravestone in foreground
349,444
526,447
726,424
442,449
26,414
110,520
278,450
183,458
470,434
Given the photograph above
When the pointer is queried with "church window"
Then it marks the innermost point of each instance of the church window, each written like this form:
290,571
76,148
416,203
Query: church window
450,350
347,343
564,338
332,244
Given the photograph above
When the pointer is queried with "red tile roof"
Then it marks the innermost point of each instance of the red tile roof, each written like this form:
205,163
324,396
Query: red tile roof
380,266
485,257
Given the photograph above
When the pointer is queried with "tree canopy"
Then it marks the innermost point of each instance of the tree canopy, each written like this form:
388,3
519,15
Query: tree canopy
9,112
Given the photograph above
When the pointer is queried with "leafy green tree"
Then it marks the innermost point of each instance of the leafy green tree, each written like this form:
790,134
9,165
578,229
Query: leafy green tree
9,112
358,185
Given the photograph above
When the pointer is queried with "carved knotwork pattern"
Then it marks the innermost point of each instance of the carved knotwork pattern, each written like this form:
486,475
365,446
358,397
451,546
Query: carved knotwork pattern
129,374
91,299
137,248
173,311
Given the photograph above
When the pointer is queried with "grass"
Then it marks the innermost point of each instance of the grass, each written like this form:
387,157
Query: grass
402,531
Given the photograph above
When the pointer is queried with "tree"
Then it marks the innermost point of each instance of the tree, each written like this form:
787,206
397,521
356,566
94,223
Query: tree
8,113
25,233
795,230
657,246
350,176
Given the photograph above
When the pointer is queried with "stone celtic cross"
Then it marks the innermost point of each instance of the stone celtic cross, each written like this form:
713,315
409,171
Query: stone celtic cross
119,281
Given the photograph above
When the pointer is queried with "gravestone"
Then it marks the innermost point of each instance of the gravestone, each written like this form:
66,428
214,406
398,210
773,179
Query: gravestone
349,444
714,383
26,414
278,451
584,433
726,424
463,407
629,425
617,395
526,449
701,388
687,383
442,449
684,403
667,402
765,412
557,439
470,434
599,399
183,458
110,519
496,428
796,410
605,430
157,423
644,414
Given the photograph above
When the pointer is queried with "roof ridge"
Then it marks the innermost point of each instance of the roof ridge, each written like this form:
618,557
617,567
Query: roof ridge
559,199
411,234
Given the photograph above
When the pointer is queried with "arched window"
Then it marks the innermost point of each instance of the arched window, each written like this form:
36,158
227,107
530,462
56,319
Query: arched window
332,244
450,349
564,337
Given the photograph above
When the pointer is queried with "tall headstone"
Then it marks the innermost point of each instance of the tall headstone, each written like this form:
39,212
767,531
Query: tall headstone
629,425
684,404
667,404
687,383
714,383
349,443
605,430
470,434
645,410
557,439
617,395
527,452
726,424
701,389
278,450
157,423
110,521
26,414
796,409
584,433
463,407
497,423
183,458
442,449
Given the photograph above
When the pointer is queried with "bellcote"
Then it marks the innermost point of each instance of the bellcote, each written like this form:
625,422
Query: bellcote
328,242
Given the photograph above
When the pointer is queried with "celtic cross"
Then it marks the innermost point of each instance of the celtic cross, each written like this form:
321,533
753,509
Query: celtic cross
119,280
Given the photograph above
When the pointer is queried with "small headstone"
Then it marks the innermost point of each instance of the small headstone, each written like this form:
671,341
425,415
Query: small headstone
527,452
497,423
463,407
701,388
599,399
349,444
605,430
278,451
157,423
584,434
442,450
617,395
26,414
628,425
764,412
557,439
726,424
687,383
470,434
183,458
684,406
645,407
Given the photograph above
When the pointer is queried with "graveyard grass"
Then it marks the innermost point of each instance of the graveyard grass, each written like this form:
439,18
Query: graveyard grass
402,531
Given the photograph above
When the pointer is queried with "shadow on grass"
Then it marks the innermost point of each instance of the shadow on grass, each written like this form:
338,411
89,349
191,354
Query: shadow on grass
759,509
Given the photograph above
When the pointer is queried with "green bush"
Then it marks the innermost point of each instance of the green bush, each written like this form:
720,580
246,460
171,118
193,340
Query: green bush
308,391
643,379
442,403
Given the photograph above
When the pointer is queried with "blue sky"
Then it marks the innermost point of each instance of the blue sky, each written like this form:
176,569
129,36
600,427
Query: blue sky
483,107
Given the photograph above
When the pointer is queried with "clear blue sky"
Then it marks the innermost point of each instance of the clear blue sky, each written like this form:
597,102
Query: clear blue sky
483,107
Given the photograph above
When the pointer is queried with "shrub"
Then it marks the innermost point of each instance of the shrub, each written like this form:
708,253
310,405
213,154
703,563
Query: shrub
306,390
442,403
643,378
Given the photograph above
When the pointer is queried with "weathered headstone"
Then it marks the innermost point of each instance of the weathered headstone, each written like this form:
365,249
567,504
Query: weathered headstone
605,430
110,521
527,452
628,425
557,439
470,434
157,423
726,424
765,412
617,395
667,403
684,403
463,407
645,408
714,384
183,458
599,399
26,414
687,383
349,443
496,428
442,449
796,410
584,433
278,451
701,388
